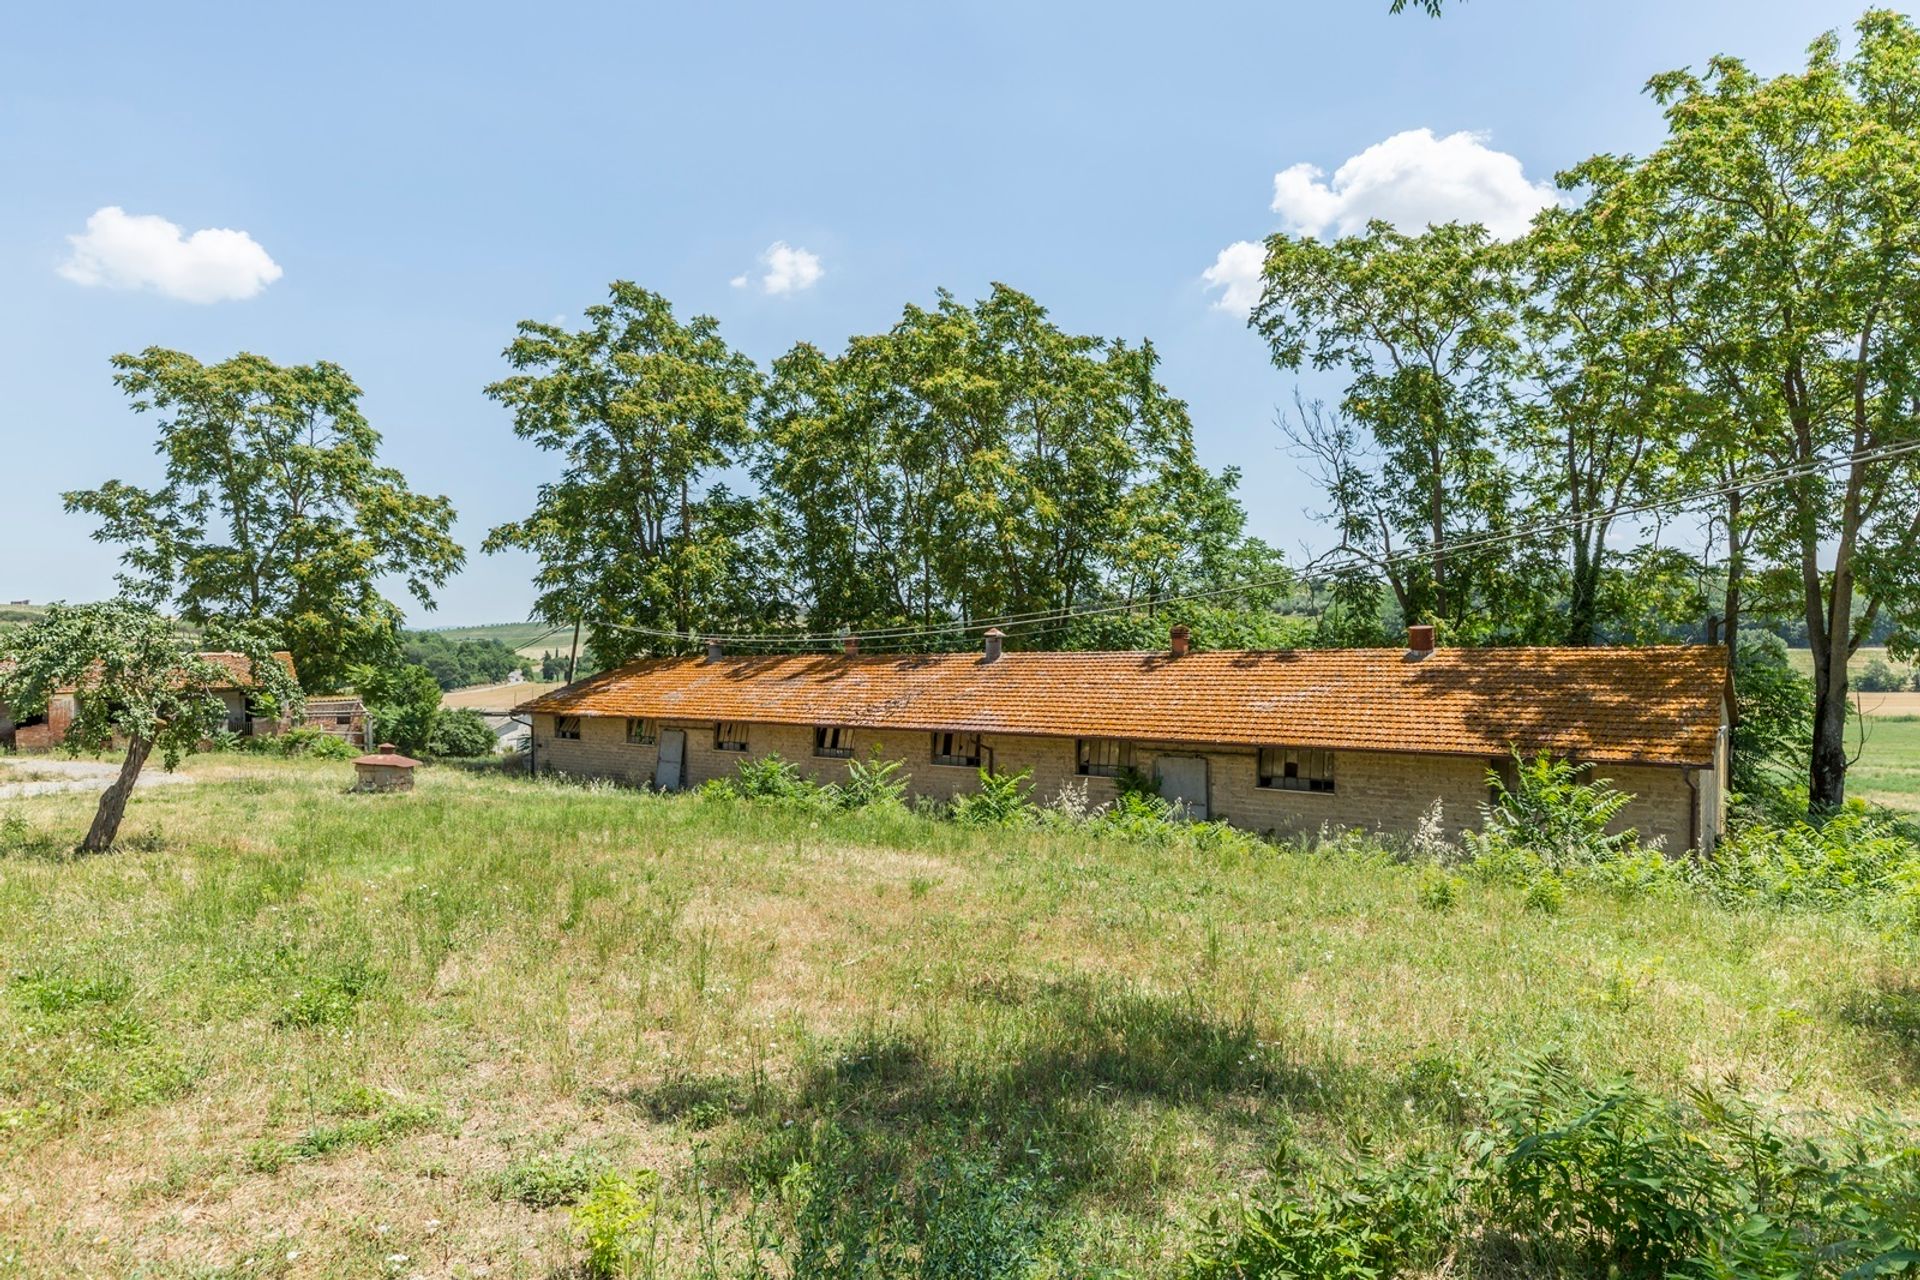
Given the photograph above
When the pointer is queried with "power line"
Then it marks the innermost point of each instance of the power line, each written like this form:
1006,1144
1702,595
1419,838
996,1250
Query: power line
1354,560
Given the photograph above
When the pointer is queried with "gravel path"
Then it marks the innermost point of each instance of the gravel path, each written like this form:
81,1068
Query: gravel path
72,775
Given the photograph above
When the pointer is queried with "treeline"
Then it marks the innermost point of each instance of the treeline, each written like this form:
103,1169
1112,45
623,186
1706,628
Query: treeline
1727,327
974,461
456,664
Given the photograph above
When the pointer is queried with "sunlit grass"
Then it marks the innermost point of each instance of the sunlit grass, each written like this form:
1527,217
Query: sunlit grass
320,1030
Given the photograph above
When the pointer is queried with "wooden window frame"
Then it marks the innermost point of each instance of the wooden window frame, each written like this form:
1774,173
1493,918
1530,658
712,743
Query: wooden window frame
1085,751
833,741
567,728
1306,770
723,743
956,759
642,731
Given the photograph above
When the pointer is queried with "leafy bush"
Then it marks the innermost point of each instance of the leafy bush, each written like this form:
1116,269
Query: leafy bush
548,1180
1878,677
1858,858
770,777
618,1221
872,782
403,705
1774,736
1437,890
1551,814
1612,1180
308,740
1370,1218
461,731
1003,800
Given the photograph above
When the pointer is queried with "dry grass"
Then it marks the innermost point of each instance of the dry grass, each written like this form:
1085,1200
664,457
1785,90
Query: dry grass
300,1032
498,697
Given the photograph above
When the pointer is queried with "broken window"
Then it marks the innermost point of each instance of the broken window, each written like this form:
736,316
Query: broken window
957,748
1296,769
1105,757
567,728
730,735
834,741
642,732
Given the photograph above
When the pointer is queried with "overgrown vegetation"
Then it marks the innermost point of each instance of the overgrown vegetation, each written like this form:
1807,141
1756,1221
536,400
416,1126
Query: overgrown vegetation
847,1038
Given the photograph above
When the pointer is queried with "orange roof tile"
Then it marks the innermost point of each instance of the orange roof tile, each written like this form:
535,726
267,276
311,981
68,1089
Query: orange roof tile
240,667
1654,705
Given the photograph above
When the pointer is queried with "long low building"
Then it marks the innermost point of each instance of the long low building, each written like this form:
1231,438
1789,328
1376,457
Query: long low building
1286,742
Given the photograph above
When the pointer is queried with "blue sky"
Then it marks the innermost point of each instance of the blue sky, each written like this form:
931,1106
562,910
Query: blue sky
412,179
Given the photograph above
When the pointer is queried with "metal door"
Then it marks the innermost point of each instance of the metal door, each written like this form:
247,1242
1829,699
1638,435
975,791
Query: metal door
668,775
1183,780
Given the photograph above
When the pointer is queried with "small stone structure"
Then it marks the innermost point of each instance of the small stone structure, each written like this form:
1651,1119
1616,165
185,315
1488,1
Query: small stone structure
386,770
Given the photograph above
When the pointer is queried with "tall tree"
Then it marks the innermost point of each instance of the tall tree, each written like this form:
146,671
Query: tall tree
644,410
133,679
978,461
274,508
1424,328
1607,368
1799,201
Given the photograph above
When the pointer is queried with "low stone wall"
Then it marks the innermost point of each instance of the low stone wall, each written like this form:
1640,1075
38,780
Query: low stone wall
1386,792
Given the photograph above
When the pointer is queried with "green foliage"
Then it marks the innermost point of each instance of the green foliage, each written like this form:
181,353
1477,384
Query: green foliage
548,1180
1774,735
458,663
461,731
1212,627
133,678
1367,1217
978,460
328,998
642,410
403,705
1857,858
1549,813
1437,890
1613,1180
1878,677
1003,800
872,782
618,1221
308,741
772,777
274,508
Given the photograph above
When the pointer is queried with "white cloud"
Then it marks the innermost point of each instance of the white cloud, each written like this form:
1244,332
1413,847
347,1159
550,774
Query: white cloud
788,270
1236,273
1413,180
119,250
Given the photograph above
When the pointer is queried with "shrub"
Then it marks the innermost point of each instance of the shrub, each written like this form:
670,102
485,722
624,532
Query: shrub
771,777
872,782
1858,858
1551,814
307,740
1878,677
403,703
1775,730
461,731
618,1221
549,1180
1437,890
1369,1218
1003,800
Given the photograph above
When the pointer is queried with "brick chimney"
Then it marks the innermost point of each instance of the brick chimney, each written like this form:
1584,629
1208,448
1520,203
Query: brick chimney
1420,640
995,636
1179,640
852,645
714,651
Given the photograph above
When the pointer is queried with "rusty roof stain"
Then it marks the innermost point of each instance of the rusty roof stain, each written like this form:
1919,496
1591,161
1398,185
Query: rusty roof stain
1648,705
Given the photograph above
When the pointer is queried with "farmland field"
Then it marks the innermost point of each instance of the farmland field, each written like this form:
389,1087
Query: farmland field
497,697
529,639
291,1031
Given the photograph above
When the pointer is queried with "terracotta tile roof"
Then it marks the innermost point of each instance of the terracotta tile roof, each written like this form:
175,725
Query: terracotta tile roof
1654,705
240,668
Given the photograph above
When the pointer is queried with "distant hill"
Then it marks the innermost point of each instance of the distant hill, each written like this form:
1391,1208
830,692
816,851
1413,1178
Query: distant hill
524,637
19,615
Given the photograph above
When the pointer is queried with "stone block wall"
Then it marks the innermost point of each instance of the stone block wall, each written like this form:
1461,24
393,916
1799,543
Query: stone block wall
1375,791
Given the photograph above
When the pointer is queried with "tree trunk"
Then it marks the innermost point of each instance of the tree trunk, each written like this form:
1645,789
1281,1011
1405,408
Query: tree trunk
1827,779
113,801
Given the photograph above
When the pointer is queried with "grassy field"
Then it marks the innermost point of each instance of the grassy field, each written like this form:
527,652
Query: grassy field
291,1031
529,639
497,697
